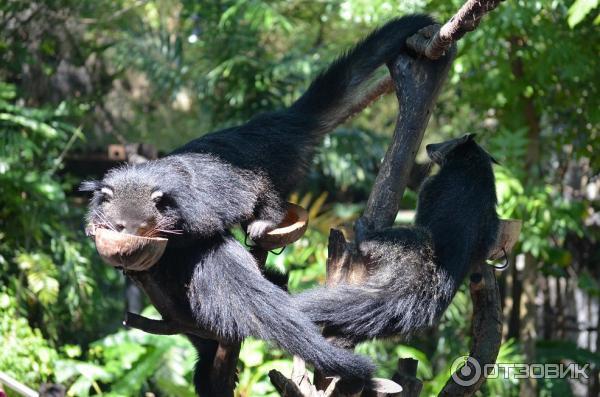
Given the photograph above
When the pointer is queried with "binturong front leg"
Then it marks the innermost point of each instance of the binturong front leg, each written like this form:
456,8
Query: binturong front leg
269,213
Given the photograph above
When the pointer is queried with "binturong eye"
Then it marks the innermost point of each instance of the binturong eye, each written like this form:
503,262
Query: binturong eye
161,200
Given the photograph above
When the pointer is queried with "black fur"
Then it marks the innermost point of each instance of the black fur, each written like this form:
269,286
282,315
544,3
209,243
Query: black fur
226,293
415,271
207,350
242,175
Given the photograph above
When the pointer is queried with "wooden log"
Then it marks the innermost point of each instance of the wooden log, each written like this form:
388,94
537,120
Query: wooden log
406,375
417,82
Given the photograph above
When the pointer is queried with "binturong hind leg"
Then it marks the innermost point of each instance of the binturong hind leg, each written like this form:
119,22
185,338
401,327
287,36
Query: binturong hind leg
228,295
206,350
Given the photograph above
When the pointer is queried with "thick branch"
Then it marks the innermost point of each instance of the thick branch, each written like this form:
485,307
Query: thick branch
486,333
433,41
286,387
417,82
224,371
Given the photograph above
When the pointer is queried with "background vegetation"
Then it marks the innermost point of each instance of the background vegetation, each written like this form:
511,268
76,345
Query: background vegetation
77,75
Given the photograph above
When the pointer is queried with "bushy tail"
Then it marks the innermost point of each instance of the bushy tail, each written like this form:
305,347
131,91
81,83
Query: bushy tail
230,296
362,312
335,92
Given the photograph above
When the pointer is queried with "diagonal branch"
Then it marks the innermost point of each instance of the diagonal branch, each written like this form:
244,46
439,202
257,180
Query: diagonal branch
417,82
433,41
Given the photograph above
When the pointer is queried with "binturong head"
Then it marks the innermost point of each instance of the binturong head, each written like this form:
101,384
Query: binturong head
133,200
441,152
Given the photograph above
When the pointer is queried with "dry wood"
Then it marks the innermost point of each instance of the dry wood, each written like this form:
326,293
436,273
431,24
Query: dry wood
486,331
433,41
406,375
417,82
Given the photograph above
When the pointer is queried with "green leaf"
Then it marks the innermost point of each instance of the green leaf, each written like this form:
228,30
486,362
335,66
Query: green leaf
252,352
131,382
35,126
579,10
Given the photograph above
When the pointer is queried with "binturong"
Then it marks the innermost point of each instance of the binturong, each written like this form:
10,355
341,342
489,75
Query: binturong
415,271
241,175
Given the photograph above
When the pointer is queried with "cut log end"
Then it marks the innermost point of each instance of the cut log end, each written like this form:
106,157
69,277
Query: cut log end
508,235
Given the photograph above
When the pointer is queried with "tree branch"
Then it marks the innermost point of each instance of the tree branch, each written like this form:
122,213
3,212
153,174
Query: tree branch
486,330
433,41
162,327
406,375
417,82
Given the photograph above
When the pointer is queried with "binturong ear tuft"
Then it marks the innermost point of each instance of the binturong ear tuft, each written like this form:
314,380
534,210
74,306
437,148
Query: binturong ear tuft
470,137
495,161
90,186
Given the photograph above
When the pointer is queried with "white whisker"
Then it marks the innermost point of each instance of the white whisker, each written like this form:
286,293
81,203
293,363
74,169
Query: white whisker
169,231
105,220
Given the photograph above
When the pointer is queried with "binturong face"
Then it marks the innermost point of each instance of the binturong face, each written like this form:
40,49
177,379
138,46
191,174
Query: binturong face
126,203
438,152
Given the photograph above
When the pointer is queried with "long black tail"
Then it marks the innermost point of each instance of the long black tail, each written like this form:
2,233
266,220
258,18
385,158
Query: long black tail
359,313
334,92
406,290
229,295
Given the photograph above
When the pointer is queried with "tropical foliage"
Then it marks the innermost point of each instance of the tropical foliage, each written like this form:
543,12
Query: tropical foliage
77,75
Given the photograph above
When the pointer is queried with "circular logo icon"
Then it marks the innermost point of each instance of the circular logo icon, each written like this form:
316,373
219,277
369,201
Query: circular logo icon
466,371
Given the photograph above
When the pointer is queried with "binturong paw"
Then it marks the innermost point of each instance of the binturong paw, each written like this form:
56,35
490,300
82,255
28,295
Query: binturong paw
259,228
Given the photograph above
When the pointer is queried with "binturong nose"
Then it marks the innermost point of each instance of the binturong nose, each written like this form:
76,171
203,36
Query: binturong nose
430,149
